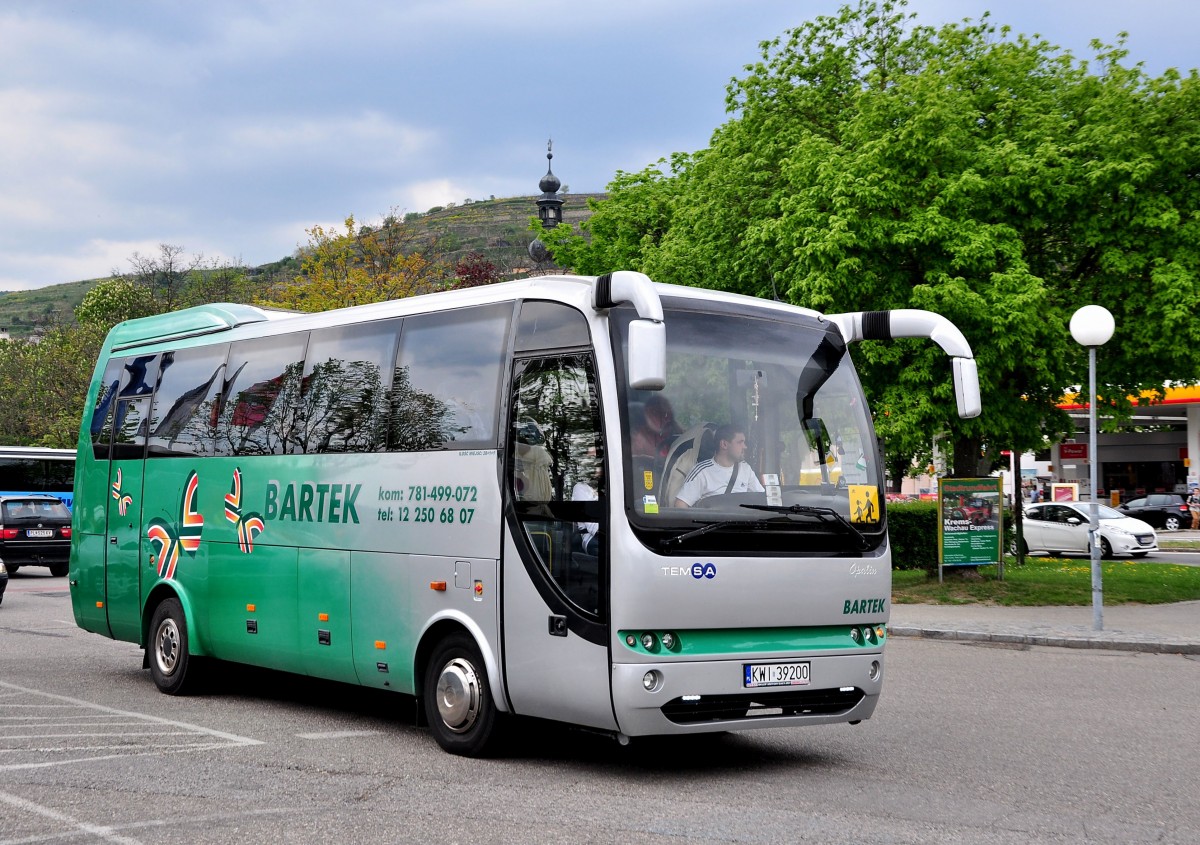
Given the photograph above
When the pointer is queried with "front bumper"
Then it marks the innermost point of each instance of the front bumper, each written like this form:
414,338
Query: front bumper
707,696
1123,544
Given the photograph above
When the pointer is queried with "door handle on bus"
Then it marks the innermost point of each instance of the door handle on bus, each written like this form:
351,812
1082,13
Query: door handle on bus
112,540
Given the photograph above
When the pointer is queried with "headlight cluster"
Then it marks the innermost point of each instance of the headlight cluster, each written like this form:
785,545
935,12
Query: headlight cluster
653,641
867,635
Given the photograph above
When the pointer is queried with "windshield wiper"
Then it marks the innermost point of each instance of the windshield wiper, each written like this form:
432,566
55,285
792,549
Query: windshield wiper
817,511
678,539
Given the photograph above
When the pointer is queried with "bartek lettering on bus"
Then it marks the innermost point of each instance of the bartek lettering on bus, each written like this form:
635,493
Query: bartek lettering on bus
334,503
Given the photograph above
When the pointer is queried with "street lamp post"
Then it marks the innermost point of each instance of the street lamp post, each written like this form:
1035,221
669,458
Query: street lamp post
1092,326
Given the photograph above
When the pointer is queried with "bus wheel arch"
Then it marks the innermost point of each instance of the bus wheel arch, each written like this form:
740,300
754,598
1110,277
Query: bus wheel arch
455,690
169,642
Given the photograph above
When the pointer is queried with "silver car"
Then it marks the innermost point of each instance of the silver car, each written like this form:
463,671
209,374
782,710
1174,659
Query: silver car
1057,527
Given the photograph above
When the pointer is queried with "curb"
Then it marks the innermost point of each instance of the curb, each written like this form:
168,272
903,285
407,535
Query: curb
1053,640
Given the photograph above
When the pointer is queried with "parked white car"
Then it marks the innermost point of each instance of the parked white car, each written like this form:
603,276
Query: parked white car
1056,527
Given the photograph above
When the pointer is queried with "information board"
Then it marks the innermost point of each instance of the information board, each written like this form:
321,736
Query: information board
969,521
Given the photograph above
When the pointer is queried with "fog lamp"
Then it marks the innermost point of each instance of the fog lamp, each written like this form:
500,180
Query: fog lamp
650,680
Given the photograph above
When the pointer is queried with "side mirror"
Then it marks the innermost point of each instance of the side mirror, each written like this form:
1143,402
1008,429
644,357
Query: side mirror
966,387
1074,521
647,355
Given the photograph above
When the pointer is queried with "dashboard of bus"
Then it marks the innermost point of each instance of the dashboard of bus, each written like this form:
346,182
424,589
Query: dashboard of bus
760,440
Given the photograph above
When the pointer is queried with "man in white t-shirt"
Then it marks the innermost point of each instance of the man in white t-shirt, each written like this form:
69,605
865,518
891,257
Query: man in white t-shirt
712,477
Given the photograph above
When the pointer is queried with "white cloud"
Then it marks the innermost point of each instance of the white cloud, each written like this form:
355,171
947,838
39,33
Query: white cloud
90,259
329,139
421,196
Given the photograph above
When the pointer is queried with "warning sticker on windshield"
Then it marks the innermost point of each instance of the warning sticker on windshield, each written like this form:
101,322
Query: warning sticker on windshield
864,503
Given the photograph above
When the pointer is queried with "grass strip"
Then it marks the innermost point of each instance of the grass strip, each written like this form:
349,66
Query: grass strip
1050,581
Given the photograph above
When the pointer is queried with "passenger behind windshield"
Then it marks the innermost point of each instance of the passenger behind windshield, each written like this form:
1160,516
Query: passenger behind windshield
657,430
725,472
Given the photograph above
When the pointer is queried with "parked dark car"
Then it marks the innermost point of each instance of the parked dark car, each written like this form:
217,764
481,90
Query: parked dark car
1162,510
35,531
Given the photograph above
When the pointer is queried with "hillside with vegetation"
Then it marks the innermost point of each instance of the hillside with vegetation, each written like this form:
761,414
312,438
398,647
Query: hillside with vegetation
23,311
494,231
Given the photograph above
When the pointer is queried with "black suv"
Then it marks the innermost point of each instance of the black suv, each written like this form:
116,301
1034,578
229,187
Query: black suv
35,531
1162,510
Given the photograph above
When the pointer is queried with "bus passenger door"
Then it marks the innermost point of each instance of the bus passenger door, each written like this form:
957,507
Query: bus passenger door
122,564
555,562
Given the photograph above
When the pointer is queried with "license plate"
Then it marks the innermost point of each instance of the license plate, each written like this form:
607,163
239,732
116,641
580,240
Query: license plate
40,532
775,674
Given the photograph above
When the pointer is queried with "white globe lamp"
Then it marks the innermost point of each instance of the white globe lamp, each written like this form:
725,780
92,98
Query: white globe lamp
1092,325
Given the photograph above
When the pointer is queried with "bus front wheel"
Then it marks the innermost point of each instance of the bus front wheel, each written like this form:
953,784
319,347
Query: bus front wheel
172,667
458,701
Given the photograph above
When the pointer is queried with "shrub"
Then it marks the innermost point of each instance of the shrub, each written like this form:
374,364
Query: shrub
913,532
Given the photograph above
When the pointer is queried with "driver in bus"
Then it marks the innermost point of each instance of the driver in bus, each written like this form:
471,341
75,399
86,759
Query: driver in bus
725,472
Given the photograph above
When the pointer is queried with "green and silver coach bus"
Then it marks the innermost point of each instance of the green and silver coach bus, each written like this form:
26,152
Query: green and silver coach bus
475,498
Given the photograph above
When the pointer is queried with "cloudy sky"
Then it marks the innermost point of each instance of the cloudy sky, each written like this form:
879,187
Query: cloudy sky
230,126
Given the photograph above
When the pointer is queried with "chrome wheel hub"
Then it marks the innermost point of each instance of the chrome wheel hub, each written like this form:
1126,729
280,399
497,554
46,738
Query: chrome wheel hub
166,646
458,695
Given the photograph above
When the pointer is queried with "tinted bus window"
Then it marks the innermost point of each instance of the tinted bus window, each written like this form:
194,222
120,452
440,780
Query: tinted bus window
129,428
550,325
447,379
260,396
188,384
123,378
347,372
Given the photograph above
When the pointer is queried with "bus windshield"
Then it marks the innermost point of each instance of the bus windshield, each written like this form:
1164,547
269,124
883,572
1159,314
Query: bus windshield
762,428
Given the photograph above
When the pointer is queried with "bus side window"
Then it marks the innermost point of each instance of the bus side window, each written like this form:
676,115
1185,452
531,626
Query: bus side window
446,383
557,472
188,385
102,414
347,373
260,396
129,430
550,325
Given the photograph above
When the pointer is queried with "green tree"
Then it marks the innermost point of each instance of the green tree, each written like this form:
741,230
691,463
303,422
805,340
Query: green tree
166,275
361,265
218,280
43,385
874,163
114,300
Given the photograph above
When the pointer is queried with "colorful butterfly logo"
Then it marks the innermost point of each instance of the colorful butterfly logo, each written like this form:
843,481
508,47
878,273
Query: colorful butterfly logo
123,501
249,524
169,540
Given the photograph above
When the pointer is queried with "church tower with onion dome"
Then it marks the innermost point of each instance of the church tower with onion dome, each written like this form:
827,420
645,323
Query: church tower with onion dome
549,208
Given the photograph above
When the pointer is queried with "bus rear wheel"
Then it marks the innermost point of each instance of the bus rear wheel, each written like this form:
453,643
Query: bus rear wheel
172,667
458,701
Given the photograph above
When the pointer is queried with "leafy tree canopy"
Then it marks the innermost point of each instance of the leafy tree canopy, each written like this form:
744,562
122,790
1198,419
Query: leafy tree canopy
360,265
871,162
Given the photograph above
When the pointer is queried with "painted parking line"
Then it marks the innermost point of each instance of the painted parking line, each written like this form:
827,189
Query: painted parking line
37,731
337,734
106,834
